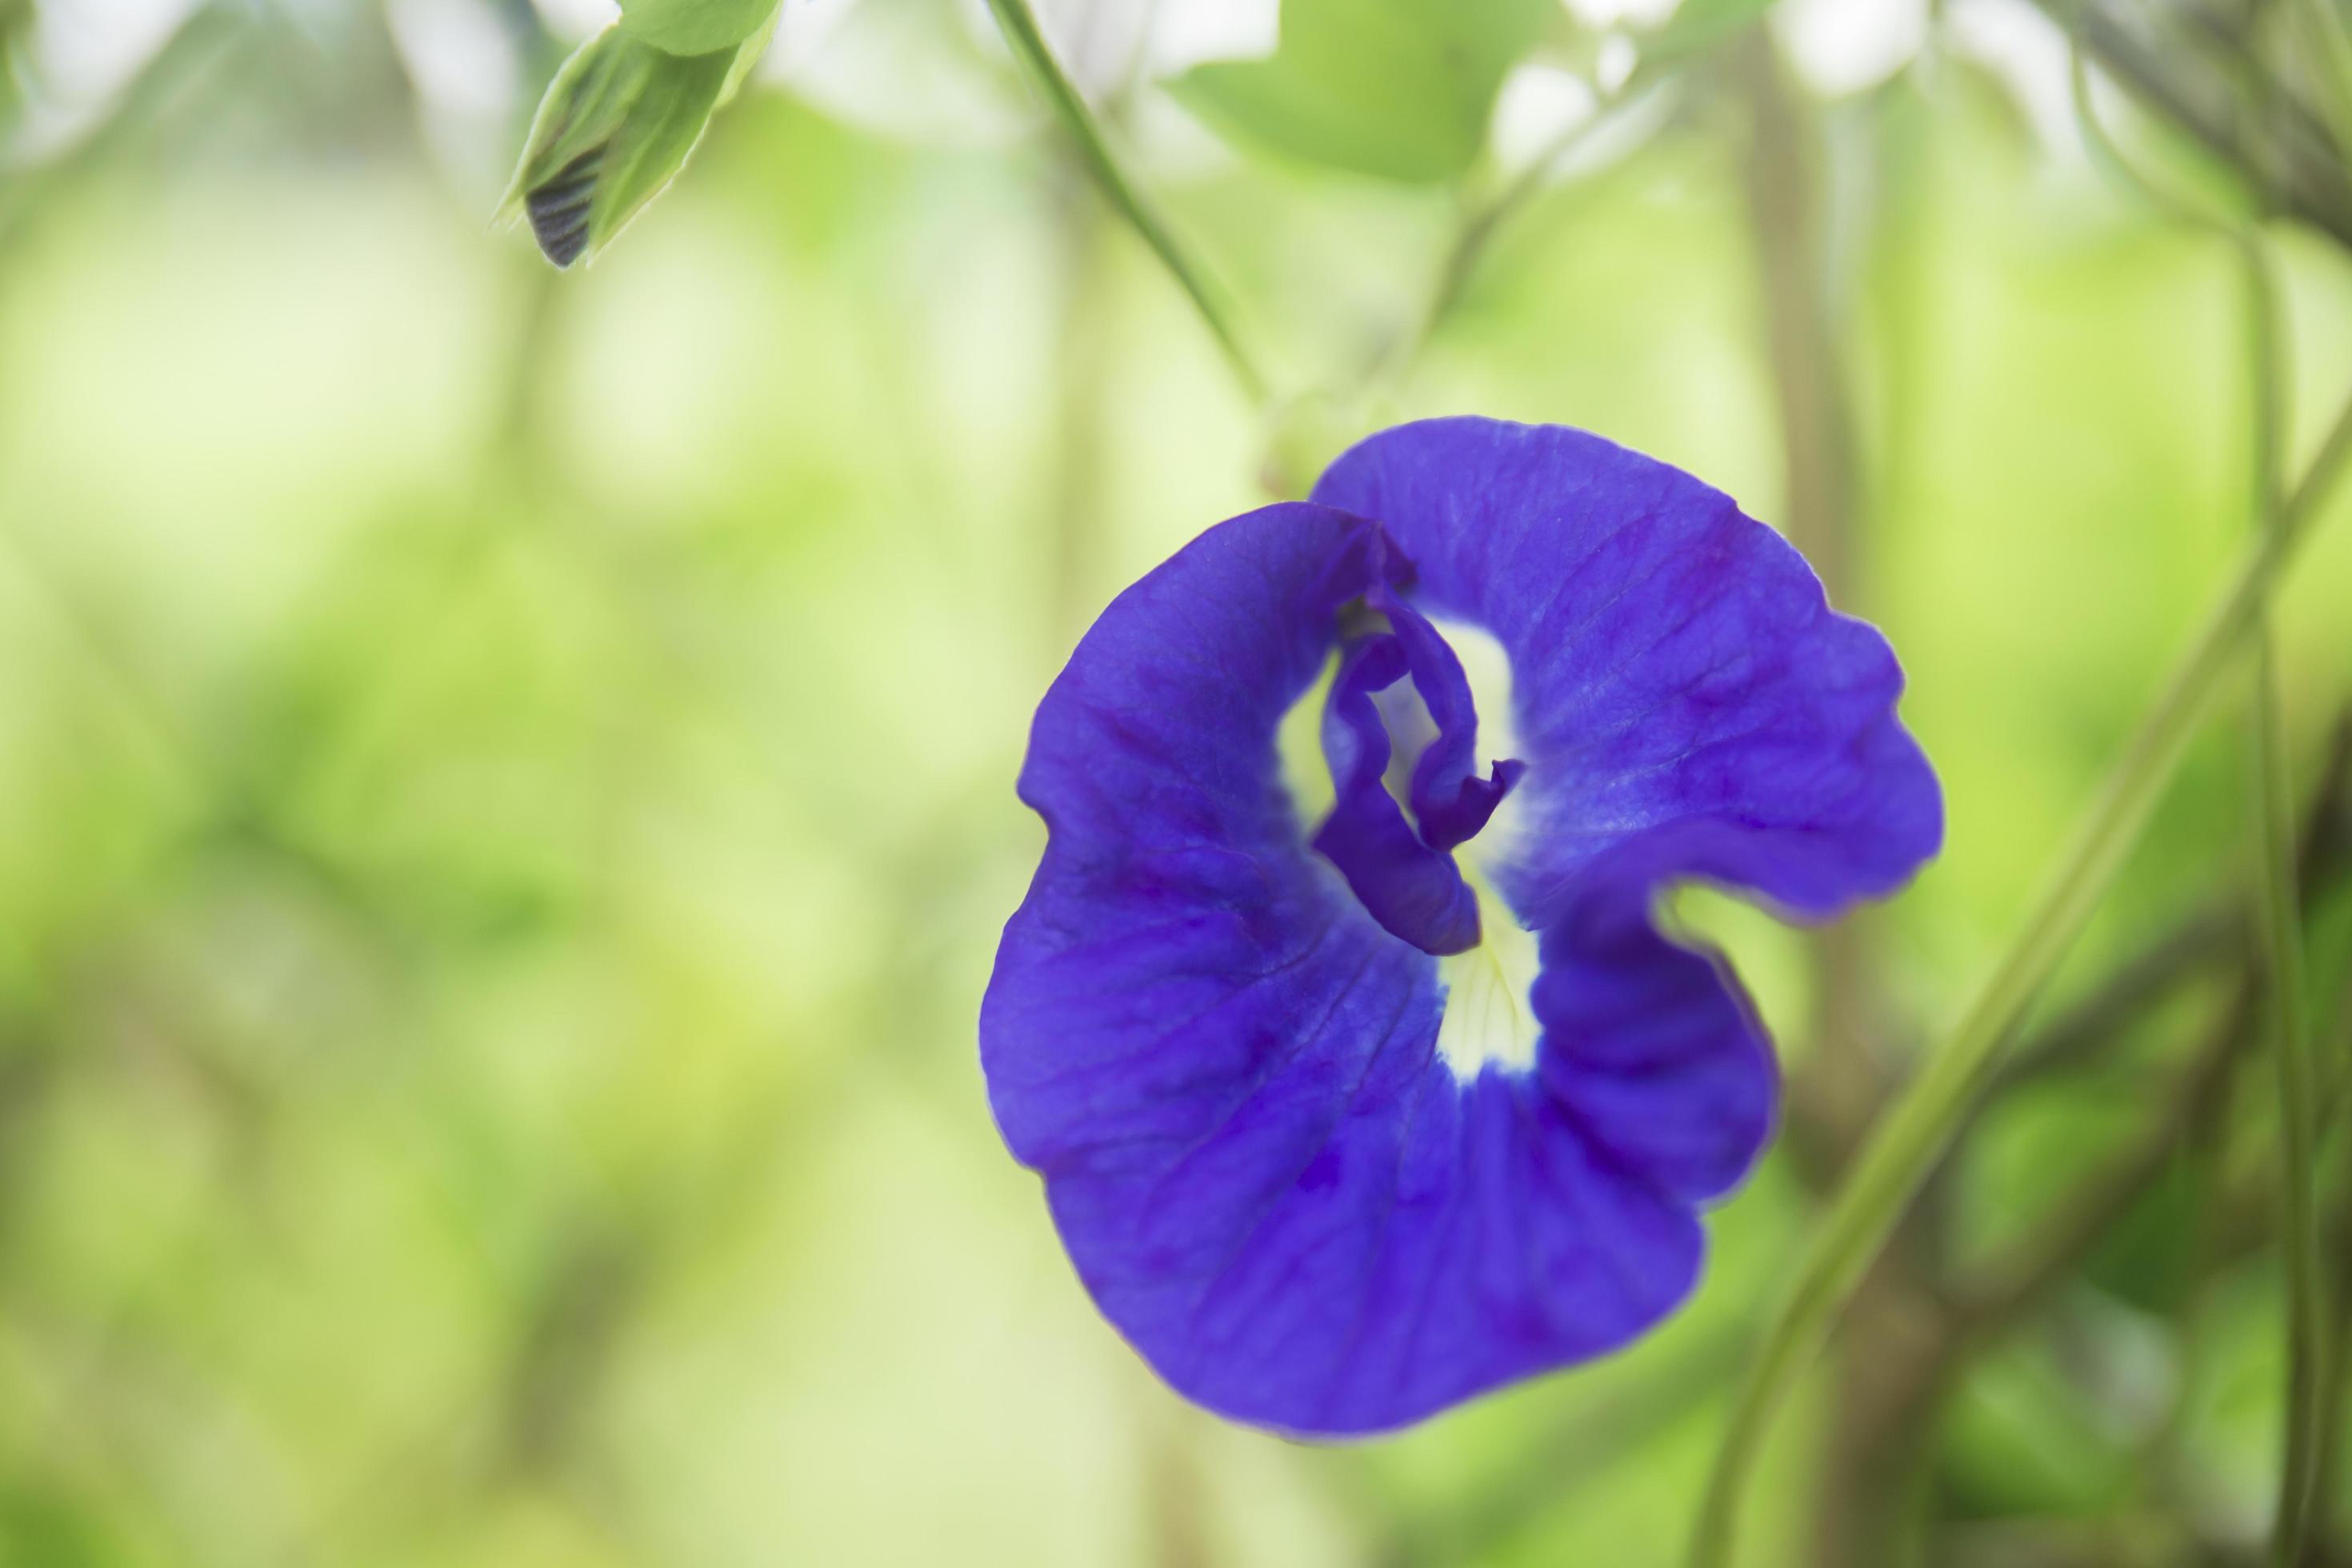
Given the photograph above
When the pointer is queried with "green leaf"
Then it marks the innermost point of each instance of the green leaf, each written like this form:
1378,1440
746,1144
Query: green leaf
1698,26
616,125
695,26
1401,90
16,24
747,56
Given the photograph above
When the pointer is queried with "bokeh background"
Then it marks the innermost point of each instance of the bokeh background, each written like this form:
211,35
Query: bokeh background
506,776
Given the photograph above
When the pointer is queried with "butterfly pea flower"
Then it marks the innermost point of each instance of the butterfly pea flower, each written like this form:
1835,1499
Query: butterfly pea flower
1346,1118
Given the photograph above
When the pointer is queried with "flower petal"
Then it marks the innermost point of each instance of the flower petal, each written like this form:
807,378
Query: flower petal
1226,1071
1410,889
1687,702
1450,802
1654,1050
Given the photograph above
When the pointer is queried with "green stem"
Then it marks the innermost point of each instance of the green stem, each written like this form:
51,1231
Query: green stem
2279,928
1908,1142
2329,40
2278,924
2290,1028
1019,25
2310,179
1485,220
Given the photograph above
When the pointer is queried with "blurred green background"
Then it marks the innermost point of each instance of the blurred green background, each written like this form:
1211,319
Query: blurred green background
506,776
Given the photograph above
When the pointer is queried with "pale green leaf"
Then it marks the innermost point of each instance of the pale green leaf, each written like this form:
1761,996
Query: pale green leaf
1401,90
616,125
747,58
695,26
16,24
1698,26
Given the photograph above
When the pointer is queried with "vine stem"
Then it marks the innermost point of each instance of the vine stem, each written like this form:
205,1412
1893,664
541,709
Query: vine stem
2310,182
1018,23
2278,924
2278,927
1906,1144
2278,919
2328,39
2281,928
1481,223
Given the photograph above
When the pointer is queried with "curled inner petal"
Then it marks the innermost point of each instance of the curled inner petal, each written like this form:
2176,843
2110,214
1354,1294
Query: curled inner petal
1450,802
1412,890
1406,880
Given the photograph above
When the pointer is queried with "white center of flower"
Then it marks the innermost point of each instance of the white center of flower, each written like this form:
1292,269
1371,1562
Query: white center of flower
1488,1017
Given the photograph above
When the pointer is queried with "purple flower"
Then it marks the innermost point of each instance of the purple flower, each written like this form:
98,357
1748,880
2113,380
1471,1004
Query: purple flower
1345,1122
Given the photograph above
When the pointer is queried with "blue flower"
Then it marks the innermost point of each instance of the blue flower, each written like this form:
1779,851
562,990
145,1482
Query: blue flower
1343,1122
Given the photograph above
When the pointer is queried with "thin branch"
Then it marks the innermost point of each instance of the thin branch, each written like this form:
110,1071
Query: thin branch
1888,1390
2337,1366
1484,221
2193,1112
2326,37
2278,919
2280,925
1910,1142
2311,183
204,45
1577,1450
2187,1125
2199,943
1019,25
1832,1102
